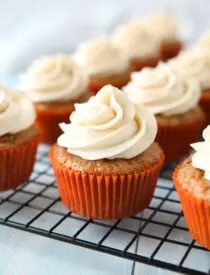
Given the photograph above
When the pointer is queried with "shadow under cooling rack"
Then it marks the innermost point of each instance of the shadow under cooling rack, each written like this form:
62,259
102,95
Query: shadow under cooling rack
158,236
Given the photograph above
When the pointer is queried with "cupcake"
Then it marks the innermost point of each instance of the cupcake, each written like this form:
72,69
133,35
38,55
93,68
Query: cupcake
54,84
166,28
106,161
174,101
192,182
104,62
141,46
18,138
195,63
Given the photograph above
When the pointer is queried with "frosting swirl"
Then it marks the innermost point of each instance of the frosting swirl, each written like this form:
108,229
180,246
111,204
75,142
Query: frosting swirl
57,78
108,126
201,158
162,25
17,112
204,41
194,63
136,41
162,91
102,56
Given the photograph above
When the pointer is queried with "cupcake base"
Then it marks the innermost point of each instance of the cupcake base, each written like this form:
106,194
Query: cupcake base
205,104
175,134
49,115
16,162
139,63
170,49
105,196
96,82
48,120
196,212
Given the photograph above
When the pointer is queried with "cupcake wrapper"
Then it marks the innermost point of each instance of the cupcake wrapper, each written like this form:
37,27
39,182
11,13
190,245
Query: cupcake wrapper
138,64
48,123
94,86
170,50
205,105
175,140
196,213
105,197
17,164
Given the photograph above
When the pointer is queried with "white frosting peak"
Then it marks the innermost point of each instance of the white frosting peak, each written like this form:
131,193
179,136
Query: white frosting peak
102,56
201,158
136,41
57,78
164,26
163,91
17,112
194,63
108,126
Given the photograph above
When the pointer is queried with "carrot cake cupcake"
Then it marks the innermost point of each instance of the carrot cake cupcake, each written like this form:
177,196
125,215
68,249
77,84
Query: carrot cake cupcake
18,138
195,63
192,181
166,28
54,84
106,161
174,101
105,63
140,45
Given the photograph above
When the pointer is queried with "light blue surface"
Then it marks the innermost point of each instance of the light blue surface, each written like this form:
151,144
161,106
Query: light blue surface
23,253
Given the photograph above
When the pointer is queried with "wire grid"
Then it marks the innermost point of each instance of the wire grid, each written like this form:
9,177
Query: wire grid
158,236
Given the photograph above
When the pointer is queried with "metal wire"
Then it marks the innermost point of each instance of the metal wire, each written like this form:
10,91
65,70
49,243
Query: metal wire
42,187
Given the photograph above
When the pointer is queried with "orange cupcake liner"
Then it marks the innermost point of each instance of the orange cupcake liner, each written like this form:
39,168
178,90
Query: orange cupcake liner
94,86
17,164
170,50
105,197
196,212
48,123
175,140
205,104
138,64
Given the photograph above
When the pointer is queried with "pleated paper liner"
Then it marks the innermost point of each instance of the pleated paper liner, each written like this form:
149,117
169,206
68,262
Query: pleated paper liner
48,123
170,49
196,213
117,81
105,197
140,63
17,164
205,104
175,140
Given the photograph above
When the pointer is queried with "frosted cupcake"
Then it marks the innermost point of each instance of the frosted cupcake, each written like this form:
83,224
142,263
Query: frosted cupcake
174,101
166,28
192,181
195,63
141,46
106,161
18,138
54,84
105,63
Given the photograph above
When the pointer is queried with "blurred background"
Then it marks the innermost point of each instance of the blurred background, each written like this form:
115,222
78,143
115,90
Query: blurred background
30,29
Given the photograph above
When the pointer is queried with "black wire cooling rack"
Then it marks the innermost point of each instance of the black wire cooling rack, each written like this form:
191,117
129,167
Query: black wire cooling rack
158,236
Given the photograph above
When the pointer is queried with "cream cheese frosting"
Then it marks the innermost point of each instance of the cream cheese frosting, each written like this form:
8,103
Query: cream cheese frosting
204,41
17,112
194,63
201,157
56,78
136,41
162,91
108,126
102,56
164,26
